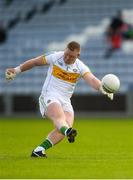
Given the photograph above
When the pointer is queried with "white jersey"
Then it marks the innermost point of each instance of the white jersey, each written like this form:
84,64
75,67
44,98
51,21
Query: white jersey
61,77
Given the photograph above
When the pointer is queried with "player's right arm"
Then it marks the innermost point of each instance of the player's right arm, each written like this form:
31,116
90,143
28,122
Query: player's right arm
27,65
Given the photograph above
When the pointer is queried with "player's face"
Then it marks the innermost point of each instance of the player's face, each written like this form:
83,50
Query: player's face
70,56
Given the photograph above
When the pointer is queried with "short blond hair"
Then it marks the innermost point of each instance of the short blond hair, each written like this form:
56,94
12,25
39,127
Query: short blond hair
73,45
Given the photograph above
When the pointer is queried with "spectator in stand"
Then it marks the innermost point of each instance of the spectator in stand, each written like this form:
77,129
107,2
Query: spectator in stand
114,33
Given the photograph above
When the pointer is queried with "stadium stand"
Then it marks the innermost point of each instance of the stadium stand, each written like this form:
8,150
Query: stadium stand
61,23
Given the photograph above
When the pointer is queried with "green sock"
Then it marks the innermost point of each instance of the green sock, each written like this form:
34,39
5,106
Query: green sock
63,130
46,144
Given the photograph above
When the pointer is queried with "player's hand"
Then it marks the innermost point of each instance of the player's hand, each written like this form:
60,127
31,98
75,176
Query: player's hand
10,74
109,95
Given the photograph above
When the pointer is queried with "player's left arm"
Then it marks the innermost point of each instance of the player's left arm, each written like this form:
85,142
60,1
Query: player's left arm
94,82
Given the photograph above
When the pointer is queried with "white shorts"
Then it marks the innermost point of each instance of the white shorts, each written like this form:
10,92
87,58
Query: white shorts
46,100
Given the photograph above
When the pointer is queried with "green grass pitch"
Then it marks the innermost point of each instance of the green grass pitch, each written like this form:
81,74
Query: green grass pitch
103,149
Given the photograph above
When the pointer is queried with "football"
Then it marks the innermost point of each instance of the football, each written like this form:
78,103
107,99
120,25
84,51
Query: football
110,83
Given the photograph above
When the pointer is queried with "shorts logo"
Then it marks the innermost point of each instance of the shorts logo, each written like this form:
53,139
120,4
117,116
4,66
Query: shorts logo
48,101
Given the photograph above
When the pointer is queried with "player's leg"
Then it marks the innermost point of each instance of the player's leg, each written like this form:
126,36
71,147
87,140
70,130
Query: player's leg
53,138
69,118
69,114
56,136
55,112
62,120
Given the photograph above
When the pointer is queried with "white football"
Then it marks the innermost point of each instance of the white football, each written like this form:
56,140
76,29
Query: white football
110,83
